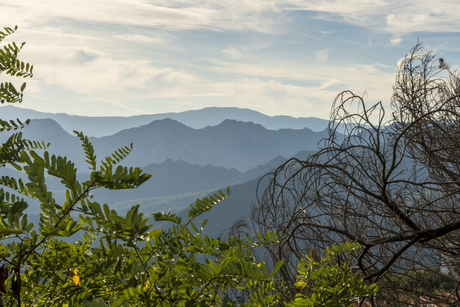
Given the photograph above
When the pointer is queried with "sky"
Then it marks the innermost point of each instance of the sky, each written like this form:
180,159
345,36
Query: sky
278,57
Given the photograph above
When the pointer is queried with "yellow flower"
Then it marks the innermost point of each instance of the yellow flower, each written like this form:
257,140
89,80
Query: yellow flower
76,278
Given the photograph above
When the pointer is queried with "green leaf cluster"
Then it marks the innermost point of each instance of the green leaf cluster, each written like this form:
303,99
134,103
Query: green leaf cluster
11,65
330,281
122,260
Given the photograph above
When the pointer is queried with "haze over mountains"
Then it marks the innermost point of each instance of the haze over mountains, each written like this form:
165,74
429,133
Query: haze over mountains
231,144
197,119
185,162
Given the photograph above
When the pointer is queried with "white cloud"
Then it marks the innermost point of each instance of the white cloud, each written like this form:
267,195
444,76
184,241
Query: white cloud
253,90
81,46
425,16
391,16
124,12
88,71
396,39
173,15
375,79
139,38
236,53
330,82
232,53
121,105
264,16
322,55
273,96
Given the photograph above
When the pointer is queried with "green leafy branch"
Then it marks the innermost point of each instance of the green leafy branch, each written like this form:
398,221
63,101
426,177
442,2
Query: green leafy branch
11,65
330,281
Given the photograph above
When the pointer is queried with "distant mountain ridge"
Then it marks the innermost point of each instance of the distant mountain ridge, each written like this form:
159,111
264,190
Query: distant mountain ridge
197,119
231,144
243,196
178,177
170,179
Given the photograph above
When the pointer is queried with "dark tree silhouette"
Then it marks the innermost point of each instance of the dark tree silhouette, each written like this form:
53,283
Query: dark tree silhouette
391,185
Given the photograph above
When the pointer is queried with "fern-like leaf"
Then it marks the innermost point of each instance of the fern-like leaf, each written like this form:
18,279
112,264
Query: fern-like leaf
9,94
12,125
122,178
7,31
17,185
206,204
10,151
116,157
88,148
11,65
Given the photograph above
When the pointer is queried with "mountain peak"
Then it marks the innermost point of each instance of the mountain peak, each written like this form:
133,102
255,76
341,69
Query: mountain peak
236,123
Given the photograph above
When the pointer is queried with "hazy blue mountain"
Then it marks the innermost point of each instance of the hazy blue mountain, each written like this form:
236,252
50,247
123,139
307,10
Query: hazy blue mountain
197,119
175,184
214,115
172,178
238,146
231,144
242,198
245,195
223,215
259,170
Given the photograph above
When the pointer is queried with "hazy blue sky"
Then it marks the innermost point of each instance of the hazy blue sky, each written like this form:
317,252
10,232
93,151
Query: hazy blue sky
288,57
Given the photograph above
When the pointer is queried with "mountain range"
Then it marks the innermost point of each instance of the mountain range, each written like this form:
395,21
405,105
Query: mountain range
99,126
186,162
231,144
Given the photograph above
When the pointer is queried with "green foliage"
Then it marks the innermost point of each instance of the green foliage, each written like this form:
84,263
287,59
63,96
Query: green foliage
206,204
10,65
154,204
133,264
330,281
12,125
122,260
